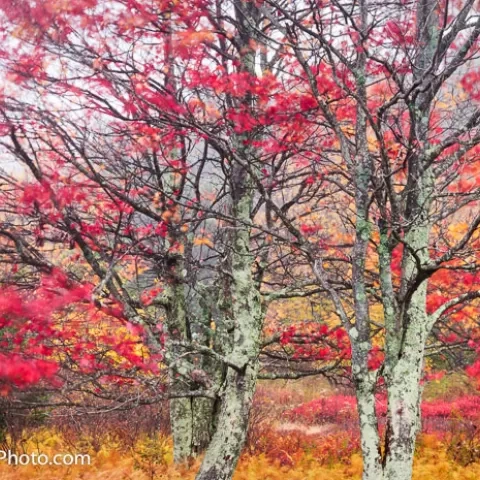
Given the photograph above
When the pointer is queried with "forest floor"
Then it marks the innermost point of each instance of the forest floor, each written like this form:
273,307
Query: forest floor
306,433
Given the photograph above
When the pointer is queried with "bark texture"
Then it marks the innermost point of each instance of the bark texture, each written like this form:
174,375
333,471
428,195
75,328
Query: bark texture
239,385
245,309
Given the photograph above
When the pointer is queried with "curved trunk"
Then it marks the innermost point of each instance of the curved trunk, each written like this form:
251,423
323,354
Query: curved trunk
225,448
239,384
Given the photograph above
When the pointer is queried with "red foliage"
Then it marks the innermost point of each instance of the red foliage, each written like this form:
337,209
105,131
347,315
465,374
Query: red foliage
343,409
313,341
22,372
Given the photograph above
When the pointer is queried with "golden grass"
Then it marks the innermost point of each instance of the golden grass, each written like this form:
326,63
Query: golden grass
152,460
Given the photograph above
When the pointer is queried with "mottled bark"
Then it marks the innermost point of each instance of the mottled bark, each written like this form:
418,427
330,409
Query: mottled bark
405,363
239,385
360,334
193,419
245,311
224,451
181,422
406,338
404,396
203,320
405,315
369,436
181,411
202,424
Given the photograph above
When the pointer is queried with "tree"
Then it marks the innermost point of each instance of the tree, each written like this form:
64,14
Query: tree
121,142
408,141
241,153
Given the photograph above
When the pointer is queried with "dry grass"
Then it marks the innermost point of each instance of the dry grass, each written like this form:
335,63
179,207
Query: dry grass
152,460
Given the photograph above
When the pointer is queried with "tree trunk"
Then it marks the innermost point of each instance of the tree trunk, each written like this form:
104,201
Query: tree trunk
369,437
227,443
202,424
402,428
404,392
403,415
192,419
181,409
241,375
181,421
243,360
239,385
245,312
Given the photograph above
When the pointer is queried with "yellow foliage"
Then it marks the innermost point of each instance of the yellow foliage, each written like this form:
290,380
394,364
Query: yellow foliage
203,241
152,459
458,230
